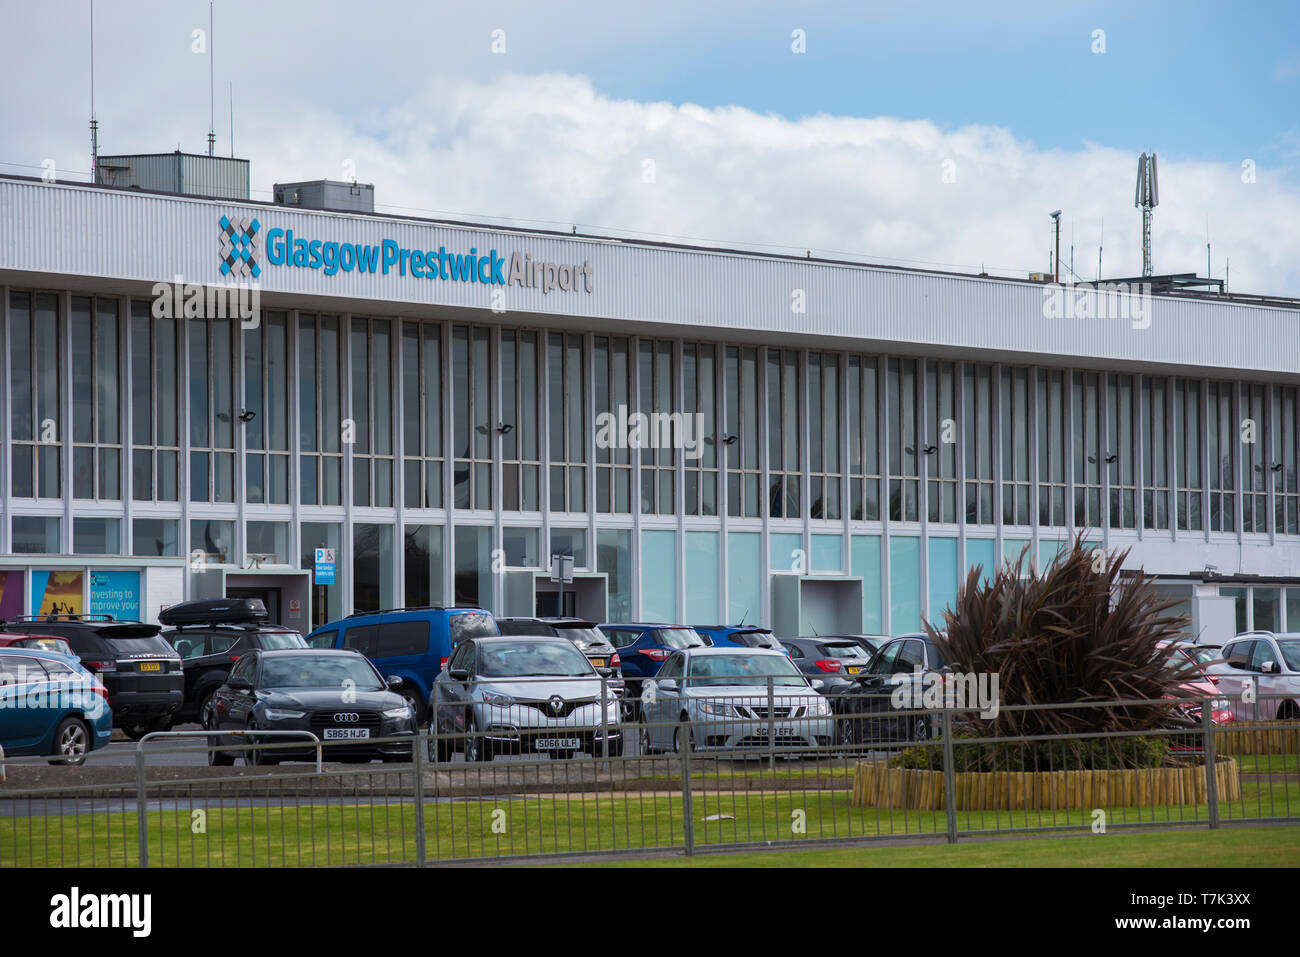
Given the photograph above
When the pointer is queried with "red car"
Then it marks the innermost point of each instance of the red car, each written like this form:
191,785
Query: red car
1196,684
10,639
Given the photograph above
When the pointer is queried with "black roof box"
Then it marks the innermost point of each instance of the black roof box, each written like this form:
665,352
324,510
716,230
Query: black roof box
214,611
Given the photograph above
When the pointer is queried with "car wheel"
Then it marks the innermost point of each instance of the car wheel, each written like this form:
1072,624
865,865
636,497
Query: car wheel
442,754
477,746
677,738
921,728
645,742
844,731
137,731
256,757
204,713
71,742
218,758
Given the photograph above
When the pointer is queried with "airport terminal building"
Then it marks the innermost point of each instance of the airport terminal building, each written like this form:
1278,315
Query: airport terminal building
711,434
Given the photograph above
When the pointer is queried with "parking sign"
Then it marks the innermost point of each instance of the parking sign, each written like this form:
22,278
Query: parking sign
324,566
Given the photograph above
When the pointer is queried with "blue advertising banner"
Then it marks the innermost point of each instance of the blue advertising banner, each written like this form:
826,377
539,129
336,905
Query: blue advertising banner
115,593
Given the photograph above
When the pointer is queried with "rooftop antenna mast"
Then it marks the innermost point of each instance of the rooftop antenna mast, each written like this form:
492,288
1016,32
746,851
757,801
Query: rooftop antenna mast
1146,197
212,59
94,123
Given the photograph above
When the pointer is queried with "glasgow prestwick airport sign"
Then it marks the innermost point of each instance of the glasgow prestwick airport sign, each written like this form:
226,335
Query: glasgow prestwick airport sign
281,247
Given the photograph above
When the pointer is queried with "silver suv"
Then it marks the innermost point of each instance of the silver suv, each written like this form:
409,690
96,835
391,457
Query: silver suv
1269,660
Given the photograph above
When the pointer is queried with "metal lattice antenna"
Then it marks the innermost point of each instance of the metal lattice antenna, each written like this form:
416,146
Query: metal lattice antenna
1146,197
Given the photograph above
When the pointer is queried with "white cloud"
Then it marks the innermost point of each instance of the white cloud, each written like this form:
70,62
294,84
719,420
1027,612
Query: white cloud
551,148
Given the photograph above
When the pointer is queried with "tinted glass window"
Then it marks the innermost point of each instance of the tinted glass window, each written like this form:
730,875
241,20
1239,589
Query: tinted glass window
672,667
679,638
44,644
19,670
402,638
324,640
620,637
507,659
933,656
1237,654
909,657
795,651
140,646
1290,652
844,651
189,644
58,671
243,668
462,657
221,644
472,625
275,640
743,669
1262,653
319,671
883,663
581,636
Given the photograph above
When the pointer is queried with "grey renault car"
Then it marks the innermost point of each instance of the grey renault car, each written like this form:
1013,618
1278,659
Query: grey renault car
717,699
335,694
520,695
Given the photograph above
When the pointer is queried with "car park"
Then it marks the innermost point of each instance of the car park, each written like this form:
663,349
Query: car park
337,695
644,647
140,670
716,699
210,635
866,712
833,660
410,644
51,705
1267,662
591,641
522,695
738,636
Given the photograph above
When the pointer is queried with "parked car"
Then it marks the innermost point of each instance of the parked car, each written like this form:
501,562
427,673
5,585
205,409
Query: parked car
715,699
834,660
866,712
738,636
1195,684
36,642
522,695
591,641
1270,660
210,635
142,672
336,695
644,648
51,705
412,644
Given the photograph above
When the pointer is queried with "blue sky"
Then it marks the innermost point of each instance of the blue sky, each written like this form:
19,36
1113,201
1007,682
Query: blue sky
839,149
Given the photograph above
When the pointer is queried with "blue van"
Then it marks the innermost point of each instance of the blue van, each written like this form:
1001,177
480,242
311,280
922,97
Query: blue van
740,636
411,643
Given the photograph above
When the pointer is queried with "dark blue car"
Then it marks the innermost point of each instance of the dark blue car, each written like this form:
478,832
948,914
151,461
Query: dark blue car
643,647
51,705
412,644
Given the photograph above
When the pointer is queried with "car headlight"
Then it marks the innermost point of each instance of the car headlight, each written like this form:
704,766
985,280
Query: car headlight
717,710
402,712
820,707
498,699
282,714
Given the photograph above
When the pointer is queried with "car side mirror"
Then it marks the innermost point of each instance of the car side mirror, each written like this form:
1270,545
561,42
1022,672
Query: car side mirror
1270,668
394,681
667,684
458,674
818,684
240,684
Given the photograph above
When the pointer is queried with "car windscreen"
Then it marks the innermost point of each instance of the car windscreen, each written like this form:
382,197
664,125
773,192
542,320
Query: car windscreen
519,659
320,671
471,625
759,639
679,638
275,640
44,644
844,650
745,670
1290,648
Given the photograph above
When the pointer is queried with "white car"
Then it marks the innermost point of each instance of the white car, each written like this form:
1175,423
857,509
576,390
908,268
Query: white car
716,699
1266,664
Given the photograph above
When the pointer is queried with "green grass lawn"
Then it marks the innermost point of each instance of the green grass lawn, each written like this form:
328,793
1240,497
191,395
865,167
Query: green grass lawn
1232,847
344,831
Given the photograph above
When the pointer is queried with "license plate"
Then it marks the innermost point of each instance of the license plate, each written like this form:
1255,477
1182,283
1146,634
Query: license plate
854,669
598,662
780,732
346,734
558,744
150,666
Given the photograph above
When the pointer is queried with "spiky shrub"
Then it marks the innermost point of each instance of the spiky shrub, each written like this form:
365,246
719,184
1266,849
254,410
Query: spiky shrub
1078,631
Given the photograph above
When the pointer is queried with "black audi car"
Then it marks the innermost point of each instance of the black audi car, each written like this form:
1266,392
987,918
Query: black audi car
140,671
334,693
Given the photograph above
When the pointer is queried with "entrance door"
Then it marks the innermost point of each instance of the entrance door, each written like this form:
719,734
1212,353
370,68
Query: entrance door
270,598
549,604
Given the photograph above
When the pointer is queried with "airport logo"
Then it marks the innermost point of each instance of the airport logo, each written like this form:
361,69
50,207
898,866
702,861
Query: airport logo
239,247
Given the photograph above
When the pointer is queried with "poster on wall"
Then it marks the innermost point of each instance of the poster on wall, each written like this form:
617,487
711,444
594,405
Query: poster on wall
57,593
11,594
115,593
